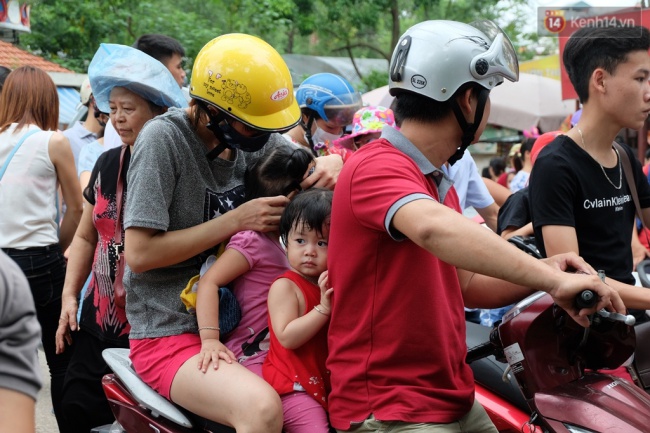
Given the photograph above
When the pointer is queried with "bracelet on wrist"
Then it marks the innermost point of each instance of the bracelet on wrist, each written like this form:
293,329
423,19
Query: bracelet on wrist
209,328
321,311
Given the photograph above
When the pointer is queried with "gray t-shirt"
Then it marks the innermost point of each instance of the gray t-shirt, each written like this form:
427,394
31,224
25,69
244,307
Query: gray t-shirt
173,186
20,332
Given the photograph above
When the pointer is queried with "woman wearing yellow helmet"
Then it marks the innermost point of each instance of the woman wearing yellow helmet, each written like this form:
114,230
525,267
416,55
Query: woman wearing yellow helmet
186,197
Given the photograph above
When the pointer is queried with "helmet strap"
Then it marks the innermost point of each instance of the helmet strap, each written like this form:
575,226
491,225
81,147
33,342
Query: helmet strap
213,125
307,129
469,129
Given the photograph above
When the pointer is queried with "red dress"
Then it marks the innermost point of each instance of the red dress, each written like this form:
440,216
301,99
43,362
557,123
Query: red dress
283,368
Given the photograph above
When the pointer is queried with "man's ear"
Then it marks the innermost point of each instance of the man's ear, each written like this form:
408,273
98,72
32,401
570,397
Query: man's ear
466,101
598,80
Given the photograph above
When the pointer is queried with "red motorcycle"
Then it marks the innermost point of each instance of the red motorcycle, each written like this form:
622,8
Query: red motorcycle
538,371
138,408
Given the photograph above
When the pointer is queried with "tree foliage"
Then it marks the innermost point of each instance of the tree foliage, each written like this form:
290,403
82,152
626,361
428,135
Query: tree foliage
69,31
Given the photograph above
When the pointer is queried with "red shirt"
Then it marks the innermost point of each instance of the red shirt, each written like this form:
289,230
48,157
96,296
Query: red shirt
503,178
397,332
306,364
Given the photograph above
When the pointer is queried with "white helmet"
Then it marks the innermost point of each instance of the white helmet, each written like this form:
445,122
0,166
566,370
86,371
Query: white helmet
435,58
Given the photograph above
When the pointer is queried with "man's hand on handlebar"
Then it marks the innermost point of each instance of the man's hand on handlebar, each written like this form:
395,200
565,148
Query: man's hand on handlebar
570,262
609,299
570,285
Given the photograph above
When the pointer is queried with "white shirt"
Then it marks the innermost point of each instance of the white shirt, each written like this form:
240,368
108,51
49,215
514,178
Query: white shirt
28,191
468,183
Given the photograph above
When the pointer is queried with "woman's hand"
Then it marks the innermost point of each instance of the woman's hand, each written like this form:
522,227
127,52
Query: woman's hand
325,174
261,214
67,322
212,350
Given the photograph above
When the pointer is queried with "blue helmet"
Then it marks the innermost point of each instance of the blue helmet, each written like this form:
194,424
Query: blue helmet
331,96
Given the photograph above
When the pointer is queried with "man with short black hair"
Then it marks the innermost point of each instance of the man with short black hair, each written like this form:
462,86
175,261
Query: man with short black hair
403,260
579,196
167,51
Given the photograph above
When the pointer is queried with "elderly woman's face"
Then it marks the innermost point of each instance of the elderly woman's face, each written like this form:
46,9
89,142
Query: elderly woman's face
129,113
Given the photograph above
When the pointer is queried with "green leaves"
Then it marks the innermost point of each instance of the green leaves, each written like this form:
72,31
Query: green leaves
70,31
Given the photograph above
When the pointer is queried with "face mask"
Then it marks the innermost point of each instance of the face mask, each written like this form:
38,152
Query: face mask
234,140
321,136
98,115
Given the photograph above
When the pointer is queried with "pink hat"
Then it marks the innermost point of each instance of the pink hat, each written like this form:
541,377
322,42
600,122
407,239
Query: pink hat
367,120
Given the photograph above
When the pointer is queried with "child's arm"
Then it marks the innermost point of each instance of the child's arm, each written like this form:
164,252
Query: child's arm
230,265
291,329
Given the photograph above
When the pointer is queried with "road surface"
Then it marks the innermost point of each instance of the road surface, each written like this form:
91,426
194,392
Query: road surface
45,421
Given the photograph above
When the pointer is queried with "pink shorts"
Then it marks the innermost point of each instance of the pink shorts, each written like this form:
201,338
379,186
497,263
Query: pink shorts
156,360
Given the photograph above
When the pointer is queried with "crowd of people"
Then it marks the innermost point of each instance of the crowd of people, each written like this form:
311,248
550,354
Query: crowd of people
276,261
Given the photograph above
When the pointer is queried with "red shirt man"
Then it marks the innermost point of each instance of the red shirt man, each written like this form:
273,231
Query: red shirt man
402,264
381,276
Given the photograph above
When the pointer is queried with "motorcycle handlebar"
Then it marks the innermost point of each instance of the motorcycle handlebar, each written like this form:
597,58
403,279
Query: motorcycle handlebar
586,299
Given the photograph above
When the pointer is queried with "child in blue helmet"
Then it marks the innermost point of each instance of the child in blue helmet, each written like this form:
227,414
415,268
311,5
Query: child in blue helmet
328,103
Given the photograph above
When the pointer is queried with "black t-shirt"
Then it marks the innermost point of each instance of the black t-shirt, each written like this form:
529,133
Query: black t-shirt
99,314
568,188
515,211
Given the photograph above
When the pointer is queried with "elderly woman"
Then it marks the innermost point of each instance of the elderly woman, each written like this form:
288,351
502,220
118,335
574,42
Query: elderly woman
134,88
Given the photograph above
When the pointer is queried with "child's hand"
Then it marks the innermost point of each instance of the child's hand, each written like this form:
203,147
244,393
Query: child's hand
325,291
211,351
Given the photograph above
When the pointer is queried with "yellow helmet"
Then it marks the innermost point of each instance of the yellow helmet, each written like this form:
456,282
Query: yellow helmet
246,78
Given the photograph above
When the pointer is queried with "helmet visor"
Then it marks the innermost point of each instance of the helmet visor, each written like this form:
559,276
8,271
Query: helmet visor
501,57
340,109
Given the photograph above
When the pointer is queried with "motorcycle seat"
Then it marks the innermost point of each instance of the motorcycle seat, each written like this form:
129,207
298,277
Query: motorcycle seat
488,372
118,361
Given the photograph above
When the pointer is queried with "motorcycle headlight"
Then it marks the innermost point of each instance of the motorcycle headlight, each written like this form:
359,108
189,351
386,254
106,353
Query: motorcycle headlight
576,429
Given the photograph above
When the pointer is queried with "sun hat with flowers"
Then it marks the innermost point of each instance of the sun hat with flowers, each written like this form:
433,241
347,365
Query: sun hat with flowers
367,120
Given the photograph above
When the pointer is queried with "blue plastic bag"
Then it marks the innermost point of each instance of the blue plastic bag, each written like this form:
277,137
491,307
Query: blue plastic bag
116,65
